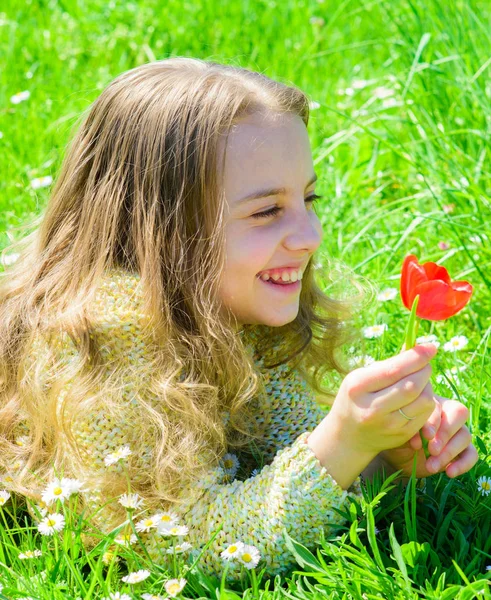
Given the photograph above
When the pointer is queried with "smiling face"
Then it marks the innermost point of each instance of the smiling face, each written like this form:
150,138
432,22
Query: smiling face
267,154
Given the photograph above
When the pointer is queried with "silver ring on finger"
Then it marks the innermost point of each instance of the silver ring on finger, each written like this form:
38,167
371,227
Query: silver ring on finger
405,416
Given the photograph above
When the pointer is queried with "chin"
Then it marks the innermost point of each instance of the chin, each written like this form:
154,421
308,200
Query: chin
278,321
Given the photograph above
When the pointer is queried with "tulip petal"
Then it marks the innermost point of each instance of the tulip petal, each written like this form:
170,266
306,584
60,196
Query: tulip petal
412,275
436,272
439,301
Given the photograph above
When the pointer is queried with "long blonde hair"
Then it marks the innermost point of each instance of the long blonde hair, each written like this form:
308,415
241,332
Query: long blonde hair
138,191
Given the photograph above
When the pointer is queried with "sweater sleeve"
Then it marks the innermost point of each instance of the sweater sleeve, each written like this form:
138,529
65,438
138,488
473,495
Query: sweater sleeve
294,493
290,492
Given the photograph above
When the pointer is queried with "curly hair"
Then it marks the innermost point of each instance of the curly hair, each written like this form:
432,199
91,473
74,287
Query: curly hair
138,191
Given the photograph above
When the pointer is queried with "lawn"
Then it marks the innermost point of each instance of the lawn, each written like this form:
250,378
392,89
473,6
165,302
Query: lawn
400,130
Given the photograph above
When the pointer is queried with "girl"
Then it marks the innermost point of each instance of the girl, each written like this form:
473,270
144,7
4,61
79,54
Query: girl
163,327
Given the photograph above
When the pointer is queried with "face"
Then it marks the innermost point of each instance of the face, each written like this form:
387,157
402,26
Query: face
273,235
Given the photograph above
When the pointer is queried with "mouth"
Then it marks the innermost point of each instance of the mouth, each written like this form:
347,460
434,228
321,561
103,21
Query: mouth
284,287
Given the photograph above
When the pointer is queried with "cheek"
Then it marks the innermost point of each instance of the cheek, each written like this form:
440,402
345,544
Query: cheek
249,254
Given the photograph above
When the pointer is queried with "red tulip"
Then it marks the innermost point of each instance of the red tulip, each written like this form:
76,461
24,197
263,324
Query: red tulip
439,297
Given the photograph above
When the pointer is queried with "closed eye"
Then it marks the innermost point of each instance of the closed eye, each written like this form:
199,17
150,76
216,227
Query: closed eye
275,210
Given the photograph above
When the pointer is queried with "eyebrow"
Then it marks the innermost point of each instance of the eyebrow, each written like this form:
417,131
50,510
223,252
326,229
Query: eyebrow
271,192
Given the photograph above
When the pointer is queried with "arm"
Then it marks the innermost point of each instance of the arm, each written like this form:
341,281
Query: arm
293,493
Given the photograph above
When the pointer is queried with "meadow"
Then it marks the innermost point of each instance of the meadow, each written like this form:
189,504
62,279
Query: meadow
400,131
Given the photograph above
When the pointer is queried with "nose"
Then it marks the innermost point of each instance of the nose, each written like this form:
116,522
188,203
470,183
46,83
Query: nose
304,232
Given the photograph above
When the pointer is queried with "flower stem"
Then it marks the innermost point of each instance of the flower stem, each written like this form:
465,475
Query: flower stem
411,332
412,326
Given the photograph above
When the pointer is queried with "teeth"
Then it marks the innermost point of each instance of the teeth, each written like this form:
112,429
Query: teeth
285,276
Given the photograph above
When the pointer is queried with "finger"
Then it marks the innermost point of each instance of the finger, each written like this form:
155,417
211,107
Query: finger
466,460
429,428
404,392
384,373
453,416
455,446
434,421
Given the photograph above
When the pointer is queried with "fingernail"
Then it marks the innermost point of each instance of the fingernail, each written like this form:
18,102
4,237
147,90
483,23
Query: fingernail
432,465
431,432
436,446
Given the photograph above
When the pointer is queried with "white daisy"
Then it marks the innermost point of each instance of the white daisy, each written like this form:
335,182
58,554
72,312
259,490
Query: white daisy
387,294
20,97
456,343
232,551
137,576
4,496
390,102
484,485
60,489
131,501
477,239
178,530
152,597
117,596
383,92
22,440
119,454
451,374
249,556
361,361
74,485
488,567
146,524
40,182
166,518
126,539
51,523
359,84
230,464
41,508
428,339
374,331
179,548
18,464
9,259
313,105
6,479
109,557
30,554
174,586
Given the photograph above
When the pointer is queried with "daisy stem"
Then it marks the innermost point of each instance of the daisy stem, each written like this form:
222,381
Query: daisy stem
254,583
174,556
7,530
57,554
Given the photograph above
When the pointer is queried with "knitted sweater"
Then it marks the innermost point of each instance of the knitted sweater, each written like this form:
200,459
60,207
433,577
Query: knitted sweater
291,491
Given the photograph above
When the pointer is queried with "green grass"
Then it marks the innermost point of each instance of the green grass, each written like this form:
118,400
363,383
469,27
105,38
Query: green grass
401,143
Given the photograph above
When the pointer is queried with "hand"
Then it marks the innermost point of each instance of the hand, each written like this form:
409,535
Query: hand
366,408
451,446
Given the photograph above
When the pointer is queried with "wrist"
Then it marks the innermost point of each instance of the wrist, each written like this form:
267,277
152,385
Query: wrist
341,459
